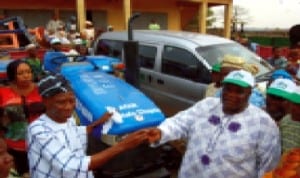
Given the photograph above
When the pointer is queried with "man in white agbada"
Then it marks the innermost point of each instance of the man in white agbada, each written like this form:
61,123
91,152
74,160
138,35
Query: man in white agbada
57,146
54,23
227,136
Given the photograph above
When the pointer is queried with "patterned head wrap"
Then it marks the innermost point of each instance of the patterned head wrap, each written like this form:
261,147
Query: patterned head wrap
53,84
239,63
232,61
252,68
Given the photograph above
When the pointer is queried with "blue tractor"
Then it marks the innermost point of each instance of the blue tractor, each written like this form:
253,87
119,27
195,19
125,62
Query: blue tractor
97,90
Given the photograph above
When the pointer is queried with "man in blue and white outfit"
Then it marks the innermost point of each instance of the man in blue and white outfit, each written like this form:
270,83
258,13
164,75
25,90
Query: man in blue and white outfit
57,146
227,136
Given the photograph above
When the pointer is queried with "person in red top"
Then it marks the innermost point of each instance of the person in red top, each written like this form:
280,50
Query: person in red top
20,104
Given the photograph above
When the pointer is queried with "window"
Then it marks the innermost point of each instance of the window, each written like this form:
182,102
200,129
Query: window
147,56
215,53
181,63
110,48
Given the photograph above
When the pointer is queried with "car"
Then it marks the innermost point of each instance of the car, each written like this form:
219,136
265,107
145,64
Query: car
175,66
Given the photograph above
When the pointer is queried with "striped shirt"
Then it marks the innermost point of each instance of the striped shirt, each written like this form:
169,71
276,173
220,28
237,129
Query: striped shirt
57,150
242,145
290,133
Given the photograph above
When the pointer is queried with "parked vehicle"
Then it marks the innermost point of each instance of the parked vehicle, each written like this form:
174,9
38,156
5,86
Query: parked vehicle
175,66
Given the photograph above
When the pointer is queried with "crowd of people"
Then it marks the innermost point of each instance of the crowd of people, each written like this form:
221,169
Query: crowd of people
68,32
237,130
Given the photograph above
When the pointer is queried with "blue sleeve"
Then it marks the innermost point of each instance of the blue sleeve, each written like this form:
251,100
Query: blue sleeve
257,98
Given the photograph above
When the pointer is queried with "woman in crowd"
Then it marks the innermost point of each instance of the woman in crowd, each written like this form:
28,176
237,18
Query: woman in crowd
20,104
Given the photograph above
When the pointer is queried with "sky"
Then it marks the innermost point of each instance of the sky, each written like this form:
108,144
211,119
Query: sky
271,13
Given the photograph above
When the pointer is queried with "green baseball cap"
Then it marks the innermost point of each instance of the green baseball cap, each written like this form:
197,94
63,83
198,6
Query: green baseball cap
216,67
282,87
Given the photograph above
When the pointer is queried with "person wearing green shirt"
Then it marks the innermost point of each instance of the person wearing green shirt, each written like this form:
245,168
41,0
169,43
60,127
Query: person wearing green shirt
154,25
290,125
34,62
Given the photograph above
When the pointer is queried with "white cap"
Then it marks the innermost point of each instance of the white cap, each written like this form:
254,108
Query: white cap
282,87
55,41
241,78
73,27
77,41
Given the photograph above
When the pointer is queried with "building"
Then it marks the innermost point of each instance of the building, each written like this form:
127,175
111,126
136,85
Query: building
170,14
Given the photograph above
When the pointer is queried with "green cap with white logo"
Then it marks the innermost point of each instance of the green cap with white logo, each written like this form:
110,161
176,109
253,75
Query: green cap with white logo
282,87
241,78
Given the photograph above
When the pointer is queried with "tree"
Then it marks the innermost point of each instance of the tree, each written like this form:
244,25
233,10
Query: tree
210,19
240,16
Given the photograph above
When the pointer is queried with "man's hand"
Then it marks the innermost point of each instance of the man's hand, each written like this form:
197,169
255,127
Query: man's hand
134,139
129,142
154,134
105,117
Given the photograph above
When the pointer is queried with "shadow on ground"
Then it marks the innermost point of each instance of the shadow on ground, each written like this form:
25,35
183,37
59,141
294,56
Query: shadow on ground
141,162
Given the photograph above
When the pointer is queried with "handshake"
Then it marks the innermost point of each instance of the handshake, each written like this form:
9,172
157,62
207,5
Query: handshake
132,140
149,135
